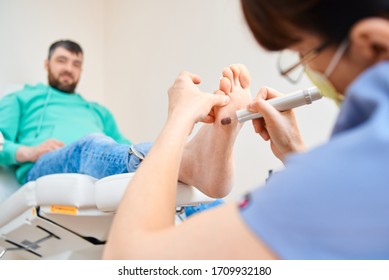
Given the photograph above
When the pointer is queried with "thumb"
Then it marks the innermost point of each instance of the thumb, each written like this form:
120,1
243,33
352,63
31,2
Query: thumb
219,99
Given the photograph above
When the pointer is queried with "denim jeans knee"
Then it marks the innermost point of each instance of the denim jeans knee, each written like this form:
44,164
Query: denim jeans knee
93,138
136,153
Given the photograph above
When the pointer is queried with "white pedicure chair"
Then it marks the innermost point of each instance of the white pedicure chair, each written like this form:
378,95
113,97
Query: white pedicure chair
68,216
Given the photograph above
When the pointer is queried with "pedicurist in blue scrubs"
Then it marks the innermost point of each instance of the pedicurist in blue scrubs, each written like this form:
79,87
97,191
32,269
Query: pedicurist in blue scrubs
331,202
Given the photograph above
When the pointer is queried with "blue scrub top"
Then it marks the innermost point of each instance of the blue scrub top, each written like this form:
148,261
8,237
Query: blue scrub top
333,202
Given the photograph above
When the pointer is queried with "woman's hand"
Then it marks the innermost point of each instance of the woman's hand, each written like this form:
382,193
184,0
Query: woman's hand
187,102
279,127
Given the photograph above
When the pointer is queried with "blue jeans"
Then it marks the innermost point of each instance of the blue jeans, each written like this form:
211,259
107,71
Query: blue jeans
96,155
99,156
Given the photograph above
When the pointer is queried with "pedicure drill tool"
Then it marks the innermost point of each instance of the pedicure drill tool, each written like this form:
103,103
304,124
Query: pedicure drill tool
282,103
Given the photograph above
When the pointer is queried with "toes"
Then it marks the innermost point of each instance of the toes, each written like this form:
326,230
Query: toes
238,76
225,85
236,71
227,72
244,76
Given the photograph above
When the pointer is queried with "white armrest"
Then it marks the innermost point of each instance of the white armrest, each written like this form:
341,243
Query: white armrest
66,189
8,183
16,204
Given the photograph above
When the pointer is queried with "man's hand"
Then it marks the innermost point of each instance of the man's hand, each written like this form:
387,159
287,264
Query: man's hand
32,154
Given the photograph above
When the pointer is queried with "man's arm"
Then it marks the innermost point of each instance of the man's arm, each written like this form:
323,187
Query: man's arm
1,141
13,152
9,126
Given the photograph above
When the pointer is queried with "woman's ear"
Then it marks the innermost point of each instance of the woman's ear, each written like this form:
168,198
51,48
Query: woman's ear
369,40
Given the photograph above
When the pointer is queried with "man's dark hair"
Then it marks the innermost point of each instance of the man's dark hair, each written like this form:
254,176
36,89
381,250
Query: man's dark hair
71,46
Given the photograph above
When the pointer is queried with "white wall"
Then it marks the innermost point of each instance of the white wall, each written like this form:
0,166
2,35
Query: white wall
149,42
28,27
134,50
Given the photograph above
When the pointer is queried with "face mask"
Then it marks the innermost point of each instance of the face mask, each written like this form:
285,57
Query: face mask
326,88
321,79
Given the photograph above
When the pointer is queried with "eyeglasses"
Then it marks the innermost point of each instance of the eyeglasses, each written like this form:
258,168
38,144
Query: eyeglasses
291,64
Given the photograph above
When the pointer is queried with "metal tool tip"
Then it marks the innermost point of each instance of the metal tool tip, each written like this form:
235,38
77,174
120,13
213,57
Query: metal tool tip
226,121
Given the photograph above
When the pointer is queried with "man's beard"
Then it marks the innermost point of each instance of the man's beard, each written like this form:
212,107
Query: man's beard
56,83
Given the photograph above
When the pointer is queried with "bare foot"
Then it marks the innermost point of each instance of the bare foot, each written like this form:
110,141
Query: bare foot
207,162
235,82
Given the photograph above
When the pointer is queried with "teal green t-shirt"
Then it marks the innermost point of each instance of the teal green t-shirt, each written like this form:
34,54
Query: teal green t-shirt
37,113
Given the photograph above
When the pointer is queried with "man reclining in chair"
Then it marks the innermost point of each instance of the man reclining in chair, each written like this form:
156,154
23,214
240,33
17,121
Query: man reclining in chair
52,129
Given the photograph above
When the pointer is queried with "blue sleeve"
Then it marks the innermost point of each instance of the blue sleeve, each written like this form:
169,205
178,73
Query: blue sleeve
311,210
